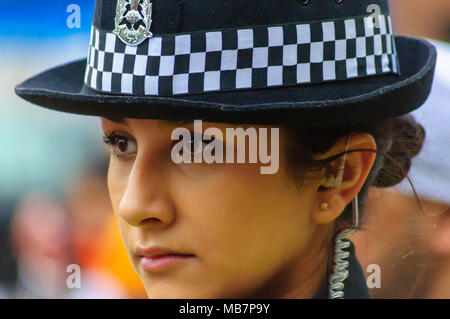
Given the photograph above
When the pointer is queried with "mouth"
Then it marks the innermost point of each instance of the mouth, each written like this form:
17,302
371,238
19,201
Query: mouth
163,261
157,258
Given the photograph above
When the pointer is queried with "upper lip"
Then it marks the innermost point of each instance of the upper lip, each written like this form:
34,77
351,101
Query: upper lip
154,251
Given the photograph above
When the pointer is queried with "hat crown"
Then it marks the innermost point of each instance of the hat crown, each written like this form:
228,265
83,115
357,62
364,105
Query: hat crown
180,16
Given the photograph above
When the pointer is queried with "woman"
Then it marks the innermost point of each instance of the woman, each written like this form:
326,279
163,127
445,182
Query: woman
327,80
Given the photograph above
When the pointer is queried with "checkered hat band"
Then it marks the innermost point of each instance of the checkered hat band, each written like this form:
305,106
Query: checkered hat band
247,58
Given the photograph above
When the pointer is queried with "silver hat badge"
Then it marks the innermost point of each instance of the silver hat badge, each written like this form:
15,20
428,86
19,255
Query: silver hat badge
133,21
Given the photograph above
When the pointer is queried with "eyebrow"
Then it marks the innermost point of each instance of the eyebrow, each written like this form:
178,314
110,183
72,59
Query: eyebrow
122,120
175,122
117,119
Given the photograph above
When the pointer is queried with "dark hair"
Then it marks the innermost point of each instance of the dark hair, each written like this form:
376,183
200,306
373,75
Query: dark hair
398,140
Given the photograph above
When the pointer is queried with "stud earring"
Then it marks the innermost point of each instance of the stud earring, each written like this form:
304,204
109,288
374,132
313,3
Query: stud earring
324,206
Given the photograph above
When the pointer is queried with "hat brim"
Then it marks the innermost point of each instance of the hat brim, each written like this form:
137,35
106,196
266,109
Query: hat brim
345,102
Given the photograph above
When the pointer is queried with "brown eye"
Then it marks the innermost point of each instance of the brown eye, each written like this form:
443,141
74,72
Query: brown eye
122,144
197,144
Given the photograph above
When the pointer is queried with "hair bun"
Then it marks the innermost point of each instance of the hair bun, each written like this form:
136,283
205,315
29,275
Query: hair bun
407,141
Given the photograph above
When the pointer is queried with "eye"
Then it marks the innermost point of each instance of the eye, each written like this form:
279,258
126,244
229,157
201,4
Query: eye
121,146
196,146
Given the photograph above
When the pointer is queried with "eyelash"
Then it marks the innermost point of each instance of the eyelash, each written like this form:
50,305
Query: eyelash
110,139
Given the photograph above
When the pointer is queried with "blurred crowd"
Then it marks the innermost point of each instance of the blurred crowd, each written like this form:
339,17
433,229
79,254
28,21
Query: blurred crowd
54,204
55,209
406,230
46,233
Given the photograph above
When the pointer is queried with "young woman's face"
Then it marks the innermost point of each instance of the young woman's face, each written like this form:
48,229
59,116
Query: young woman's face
241,228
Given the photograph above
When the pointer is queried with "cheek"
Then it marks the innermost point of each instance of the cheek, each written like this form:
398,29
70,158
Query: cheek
246,224
117,182
242,225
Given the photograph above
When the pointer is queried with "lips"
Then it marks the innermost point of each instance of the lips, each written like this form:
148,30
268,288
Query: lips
158,258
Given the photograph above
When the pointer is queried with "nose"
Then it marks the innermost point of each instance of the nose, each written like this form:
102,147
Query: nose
146,200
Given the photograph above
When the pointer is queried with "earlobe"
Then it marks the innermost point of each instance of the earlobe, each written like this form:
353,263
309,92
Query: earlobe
327,208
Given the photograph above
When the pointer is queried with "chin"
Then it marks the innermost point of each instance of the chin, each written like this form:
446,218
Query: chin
177,291
155,293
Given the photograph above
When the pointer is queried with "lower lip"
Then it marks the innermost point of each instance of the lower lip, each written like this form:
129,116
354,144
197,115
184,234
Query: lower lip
162,262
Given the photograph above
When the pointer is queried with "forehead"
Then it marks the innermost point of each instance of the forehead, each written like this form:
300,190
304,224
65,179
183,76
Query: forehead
127,121
169,123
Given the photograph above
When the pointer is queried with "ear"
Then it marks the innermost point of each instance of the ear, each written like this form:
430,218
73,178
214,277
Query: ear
356,168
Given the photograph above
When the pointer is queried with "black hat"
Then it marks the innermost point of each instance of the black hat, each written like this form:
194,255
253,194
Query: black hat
327,62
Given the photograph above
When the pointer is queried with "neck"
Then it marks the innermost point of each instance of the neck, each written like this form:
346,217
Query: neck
301,278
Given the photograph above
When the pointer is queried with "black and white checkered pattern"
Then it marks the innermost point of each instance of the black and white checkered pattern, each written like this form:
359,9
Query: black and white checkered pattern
233,59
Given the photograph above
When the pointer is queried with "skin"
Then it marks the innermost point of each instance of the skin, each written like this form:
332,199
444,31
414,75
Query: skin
411,246
421,18
252,235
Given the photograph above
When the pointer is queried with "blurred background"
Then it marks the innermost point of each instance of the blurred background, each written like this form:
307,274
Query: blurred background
54,204
409,239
